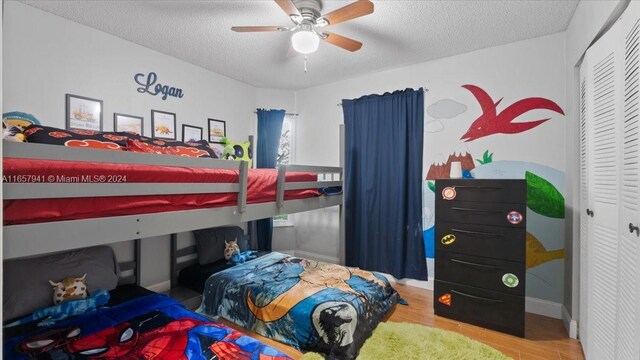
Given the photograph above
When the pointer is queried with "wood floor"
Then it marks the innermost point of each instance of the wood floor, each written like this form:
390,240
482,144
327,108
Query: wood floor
545,337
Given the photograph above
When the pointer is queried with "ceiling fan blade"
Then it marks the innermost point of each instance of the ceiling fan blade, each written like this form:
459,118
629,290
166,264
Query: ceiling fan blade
257,28
351,11
288,7
341,41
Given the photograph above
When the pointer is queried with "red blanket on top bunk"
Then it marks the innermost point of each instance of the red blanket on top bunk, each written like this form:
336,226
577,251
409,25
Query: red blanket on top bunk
261,187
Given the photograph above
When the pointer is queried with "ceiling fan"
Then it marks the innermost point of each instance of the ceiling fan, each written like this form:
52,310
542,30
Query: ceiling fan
309,24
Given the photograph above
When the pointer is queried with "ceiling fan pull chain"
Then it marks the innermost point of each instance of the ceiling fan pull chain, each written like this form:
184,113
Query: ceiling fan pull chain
305,64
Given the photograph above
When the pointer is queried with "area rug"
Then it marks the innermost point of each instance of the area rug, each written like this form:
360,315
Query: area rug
411,341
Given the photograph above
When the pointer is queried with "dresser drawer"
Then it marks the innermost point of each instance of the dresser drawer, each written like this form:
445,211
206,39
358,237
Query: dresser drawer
485,273
486,308
481,240
497,214
503,191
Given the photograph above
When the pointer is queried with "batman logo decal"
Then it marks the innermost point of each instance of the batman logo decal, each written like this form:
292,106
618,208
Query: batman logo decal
448,239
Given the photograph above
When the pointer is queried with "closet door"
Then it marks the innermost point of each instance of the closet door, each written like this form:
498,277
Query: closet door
628,321
603,196
584,207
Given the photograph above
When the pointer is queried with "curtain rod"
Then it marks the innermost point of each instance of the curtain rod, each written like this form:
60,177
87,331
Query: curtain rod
423,89
290,114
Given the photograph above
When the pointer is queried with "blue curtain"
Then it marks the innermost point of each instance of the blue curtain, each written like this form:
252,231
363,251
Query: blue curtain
269,130
383,183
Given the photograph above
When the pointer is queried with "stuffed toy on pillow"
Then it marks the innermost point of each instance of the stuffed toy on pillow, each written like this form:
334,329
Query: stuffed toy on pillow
13,133
19,118
14,123
233,255
237,151
230,248
69,289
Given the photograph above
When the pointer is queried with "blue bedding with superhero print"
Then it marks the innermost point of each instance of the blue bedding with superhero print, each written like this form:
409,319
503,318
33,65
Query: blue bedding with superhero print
308,304
152,326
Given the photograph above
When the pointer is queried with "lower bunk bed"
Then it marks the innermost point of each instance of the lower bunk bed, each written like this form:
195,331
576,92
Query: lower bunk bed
126,322
310,305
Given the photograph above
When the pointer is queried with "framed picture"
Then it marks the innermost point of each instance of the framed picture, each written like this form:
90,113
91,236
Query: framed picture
163,125
191,133
128,123
83,113
217,130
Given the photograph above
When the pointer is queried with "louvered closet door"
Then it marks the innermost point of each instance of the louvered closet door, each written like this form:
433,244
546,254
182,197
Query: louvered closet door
604,123
584,205
628,299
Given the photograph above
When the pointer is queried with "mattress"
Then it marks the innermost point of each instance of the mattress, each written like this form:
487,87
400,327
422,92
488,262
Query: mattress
261,187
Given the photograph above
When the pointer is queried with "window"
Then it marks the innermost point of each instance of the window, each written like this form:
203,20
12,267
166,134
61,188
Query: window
285,157
286,137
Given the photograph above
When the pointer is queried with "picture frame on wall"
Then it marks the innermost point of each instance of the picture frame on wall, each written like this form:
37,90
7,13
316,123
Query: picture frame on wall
217,130
83,113
128,123
191,133
163,125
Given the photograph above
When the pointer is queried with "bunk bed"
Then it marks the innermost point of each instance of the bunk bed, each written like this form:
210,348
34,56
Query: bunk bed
234,195
230,199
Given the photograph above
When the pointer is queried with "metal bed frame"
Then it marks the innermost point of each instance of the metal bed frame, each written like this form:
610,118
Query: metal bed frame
39,238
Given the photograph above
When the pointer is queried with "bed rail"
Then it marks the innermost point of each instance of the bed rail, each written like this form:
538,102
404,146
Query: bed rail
327,173
19,191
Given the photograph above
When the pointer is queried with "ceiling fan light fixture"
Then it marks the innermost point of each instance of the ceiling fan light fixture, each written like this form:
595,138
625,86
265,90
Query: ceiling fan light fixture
305,41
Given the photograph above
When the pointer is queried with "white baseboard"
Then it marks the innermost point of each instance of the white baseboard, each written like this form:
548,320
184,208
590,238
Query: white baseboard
569,324
160,287
317,257
427,285
543,307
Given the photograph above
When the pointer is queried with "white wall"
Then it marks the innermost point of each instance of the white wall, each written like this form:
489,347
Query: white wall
276,99
589,21
46,56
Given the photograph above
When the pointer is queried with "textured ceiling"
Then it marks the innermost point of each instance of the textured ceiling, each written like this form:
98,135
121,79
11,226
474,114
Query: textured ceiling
397,33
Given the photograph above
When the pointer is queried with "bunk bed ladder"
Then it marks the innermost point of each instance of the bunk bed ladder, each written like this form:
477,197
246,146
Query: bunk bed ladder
133,265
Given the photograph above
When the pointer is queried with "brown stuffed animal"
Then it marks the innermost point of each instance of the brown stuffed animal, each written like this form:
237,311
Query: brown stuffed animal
69,289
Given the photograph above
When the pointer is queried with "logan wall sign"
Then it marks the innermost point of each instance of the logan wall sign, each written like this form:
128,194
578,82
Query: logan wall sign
148,84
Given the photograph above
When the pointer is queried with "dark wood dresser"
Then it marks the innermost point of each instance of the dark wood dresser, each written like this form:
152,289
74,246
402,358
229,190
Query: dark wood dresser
480,259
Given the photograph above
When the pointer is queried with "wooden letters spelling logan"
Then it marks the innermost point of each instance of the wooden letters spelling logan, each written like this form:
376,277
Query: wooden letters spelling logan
147,86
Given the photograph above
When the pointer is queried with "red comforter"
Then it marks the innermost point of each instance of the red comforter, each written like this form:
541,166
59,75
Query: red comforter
261,188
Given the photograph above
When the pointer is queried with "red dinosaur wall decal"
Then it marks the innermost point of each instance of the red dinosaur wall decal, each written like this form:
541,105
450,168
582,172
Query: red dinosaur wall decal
490,122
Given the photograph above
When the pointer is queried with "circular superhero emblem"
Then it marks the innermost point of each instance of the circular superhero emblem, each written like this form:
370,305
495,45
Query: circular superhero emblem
514,217
448,239
510,280
449,193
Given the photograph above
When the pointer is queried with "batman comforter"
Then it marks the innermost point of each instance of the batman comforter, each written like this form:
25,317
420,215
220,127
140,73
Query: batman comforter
311,305
154,326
